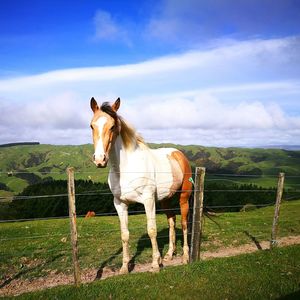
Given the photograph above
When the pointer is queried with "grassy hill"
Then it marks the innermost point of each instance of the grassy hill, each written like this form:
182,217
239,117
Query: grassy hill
23,165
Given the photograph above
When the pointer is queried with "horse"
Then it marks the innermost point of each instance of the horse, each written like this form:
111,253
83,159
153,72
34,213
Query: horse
143,175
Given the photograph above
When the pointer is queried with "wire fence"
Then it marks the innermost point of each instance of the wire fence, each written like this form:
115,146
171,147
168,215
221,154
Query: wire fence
12,172
30,240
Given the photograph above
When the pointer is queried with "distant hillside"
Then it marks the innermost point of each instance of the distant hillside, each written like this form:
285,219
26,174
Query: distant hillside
23,165
285,147
241,160
19,144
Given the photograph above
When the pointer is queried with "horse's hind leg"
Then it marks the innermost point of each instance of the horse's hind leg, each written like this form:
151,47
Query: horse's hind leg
186,190
184,208
171,216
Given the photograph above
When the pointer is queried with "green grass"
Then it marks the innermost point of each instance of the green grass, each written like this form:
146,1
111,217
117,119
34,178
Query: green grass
42,159
264,275
236,228
36,248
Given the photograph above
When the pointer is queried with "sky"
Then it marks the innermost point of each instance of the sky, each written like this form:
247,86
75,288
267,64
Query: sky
214,73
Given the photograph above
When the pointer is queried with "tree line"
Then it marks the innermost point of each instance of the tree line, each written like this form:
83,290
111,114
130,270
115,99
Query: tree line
52,200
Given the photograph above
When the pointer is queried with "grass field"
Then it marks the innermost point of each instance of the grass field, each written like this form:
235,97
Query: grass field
264,275
36,248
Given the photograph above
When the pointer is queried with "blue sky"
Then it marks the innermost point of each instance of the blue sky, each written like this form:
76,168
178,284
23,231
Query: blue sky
222,73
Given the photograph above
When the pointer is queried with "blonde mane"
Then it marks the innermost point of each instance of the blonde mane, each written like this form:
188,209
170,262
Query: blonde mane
129,136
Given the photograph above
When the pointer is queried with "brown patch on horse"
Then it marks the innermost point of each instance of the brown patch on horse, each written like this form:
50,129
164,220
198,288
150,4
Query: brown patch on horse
186,188
176,175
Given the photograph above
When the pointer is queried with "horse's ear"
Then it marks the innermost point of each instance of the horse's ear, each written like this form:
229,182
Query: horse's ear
94,105
116,105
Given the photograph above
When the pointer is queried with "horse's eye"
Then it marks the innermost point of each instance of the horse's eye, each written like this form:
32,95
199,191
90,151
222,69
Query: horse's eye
112,128
91,126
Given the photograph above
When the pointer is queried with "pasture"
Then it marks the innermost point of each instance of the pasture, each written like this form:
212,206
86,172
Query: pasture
262,275
33,249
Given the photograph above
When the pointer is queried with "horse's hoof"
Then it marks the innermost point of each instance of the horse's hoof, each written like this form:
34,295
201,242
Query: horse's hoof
185,260
123,271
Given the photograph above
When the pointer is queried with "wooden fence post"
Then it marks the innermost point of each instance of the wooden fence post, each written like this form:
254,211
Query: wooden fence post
273,242
197,214
72,215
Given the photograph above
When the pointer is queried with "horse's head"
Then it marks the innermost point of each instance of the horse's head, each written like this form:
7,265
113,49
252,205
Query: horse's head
106,127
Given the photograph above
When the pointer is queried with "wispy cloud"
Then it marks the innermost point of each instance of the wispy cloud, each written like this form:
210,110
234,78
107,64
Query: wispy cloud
191,22
254,61
108,28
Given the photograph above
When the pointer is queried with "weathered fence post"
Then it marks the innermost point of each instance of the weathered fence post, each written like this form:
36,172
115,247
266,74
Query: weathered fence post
273,242
72,215
197,214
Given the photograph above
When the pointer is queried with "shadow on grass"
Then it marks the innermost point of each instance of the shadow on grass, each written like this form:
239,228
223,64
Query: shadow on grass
107,262
29,269
254,240
295,295
143,244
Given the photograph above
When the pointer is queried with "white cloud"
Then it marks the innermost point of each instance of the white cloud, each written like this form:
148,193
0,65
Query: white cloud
206,120
238,93
59,112
200,119
50,120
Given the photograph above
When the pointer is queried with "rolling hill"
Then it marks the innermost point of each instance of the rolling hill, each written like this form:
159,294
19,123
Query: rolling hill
23,165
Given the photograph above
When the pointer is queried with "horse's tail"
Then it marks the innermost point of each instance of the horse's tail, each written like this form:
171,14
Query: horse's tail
207,212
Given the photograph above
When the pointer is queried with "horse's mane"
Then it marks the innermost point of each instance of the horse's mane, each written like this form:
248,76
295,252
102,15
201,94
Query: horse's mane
129,135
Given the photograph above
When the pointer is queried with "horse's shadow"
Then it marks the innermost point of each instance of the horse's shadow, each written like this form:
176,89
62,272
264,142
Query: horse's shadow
27,270
143,244
107,262
254,239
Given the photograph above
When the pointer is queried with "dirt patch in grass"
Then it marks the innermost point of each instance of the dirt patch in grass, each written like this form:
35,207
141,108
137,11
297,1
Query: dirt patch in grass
12,287
249,248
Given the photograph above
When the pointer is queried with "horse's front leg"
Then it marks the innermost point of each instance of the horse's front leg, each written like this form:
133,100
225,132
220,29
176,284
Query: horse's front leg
152,232
122,210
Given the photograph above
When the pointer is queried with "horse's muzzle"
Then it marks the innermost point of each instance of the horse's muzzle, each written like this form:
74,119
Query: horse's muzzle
100,163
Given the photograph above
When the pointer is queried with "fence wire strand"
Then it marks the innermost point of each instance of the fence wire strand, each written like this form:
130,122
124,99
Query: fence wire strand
83,223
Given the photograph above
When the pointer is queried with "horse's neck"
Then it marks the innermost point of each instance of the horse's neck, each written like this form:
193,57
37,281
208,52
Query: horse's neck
119,155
